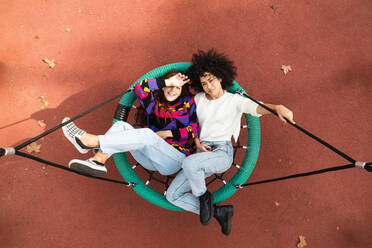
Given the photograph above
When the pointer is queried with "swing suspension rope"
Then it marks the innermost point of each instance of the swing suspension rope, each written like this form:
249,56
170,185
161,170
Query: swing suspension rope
124,111
15,150
358,164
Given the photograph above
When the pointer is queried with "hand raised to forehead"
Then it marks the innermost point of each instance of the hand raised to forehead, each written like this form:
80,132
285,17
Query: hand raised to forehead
177,80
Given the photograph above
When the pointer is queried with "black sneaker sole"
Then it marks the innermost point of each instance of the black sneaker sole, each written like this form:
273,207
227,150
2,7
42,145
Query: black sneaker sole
84,169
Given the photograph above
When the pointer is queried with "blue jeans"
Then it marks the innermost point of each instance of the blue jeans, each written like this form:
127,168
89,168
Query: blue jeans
195,169
146,147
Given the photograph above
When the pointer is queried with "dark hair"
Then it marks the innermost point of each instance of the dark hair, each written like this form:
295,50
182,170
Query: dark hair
161,101
159,97
214,63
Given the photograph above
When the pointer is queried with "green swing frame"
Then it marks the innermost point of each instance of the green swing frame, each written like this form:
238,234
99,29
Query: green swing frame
223,192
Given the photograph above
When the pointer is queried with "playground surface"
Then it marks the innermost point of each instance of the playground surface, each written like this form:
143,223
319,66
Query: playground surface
100,48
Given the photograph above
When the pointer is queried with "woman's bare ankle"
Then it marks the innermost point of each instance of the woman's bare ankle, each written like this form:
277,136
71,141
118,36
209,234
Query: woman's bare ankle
90,140
101,157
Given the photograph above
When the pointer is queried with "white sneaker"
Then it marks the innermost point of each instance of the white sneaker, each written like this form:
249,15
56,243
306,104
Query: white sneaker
72,132
90,167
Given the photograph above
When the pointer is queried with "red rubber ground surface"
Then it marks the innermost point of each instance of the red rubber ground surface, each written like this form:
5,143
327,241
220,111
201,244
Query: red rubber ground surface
112,43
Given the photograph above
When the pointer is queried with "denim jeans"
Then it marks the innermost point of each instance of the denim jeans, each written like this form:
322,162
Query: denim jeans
195,169
146,147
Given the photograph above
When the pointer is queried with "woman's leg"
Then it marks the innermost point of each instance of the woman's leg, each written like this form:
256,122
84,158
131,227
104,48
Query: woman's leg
148,148
178,194
196,168
198,165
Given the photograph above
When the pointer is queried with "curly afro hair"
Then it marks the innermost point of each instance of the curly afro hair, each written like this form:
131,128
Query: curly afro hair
215,63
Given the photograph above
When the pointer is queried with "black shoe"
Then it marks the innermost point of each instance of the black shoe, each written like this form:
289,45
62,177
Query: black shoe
88,167
223,214
206,208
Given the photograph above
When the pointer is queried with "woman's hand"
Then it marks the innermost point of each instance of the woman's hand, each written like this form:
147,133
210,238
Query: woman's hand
177,80
204,147
283,112
165,134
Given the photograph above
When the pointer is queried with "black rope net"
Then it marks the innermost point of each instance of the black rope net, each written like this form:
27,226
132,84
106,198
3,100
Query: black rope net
160,183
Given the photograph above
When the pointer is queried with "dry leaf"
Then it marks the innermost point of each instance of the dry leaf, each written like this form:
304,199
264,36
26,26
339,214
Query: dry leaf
302,242
68,29
277,204
33,147
286,69
45,104
37,37
41,123
51,63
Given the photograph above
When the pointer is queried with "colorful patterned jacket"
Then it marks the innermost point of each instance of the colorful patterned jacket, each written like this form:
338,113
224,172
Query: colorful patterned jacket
182,121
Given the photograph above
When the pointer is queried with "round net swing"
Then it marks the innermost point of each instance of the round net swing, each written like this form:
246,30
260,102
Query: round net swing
243,169
230,184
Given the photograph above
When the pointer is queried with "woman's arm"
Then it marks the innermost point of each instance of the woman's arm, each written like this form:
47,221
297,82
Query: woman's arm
281,110
202,147
144,91
145,88
190,131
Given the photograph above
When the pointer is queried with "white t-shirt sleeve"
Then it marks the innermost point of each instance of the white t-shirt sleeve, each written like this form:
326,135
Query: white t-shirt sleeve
246,105
197,97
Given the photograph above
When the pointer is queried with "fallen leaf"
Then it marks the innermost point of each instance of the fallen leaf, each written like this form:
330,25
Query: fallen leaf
68,29
286,69
33,147
37,37
302,242
45,104
41,123
277,204
274,6
51,63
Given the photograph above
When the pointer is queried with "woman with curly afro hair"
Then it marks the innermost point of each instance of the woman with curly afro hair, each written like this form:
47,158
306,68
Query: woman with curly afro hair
219,113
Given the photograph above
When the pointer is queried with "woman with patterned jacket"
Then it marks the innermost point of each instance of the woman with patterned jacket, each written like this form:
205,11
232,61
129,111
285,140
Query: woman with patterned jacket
172,127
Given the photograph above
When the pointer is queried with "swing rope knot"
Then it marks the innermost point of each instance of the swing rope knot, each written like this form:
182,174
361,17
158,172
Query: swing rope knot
7,151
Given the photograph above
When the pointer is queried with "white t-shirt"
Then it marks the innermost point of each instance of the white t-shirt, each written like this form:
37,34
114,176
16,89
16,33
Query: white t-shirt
220,119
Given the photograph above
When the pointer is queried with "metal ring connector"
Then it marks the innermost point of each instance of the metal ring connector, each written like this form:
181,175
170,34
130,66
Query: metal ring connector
360,164
132,185
7,151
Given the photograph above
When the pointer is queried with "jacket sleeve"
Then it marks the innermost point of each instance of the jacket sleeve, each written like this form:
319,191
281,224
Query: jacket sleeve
191,131
144,91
